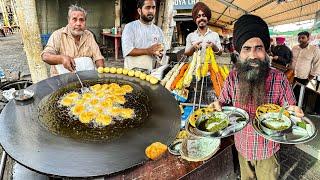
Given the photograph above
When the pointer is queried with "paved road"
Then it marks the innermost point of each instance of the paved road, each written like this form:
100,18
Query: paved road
12,55
296,164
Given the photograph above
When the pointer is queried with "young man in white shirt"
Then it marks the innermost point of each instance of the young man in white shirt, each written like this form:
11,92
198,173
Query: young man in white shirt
142,41
305,64
203,36
306,59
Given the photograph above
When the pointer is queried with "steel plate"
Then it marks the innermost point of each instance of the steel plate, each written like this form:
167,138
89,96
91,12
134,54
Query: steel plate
288,137
31,144
228,131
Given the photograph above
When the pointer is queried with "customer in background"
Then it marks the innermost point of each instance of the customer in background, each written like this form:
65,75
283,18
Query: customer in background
272,45
306,66
306,59
281,53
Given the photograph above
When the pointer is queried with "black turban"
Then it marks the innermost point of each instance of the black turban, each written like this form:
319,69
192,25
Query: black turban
249,26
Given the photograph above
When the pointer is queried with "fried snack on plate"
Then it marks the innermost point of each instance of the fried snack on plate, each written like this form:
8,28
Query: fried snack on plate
265,108
183,134
155,150
196,114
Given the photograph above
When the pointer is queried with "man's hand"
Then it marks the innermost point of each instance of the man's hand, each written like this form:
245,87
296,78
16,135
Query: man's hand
275,58
214,47
196,45
68,63
155,49
160,54
210,44
310,77
297,110
215,105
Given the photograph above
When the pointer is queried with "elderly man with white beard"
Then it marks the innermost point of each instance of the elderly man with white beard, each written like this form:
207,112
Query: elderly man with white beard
72,46
251,84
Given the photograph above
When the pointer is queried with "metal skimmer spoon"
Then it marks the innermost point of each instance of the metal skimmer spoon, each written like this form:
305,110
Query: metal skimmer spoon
83,89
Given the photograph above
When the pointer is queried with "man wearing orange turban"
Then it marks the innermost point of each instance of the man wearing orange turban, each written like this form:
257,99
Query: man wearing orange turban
203,36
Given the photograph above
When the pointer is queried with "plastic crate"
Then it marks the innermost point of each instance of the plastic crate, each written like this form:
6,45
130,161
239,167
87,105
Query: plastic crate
44,39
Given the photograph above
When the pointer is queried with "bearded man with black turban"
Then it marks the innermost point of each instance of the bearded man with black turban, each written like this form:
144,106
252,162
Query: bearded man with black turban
251,84
203,36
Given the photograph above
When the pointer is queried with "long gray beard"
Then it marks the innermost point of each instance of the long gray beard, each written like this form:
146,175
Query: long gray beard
252,80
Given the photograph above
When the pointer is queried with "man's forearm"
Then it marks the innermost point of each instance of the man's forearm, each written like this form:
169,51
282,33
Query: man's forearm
190,51
52,59
216,50
138,52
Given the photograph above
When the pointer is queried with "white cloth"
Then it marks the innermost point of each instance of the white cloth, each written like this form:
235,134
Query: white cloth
143,62
82,64
158,72
139,35
8,94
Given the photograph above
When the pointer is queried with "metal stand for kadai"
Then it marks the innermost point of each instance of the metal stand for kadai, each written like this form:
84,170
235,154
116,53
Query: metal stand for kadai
3,163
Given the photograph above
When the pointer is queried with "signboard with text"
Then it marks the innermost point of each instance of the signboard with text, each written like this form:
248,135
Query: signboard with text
184,4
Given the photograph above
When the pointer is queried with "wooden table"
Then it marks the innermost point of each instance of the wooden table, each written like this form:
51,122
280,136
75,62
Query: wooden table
220,166
117,39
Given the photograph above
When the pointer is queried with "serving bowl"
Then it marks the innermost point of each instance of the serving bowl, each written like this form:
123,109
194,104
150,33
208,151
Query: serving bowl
199,148
212,123
23,94
271,124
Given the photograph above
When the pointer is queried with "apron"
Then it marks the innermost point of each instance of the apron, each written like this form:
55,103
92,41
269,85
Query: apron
82,64
143,62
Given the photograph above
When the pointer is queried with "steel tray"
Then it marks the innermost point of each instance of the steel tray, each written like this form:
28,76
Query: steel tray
234,114
289,137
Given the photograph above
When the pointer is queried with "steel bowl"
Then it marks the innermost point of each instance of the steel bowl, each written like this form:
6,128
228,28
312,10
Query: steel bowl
23,94
174,148
199,148
201,121
263,120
